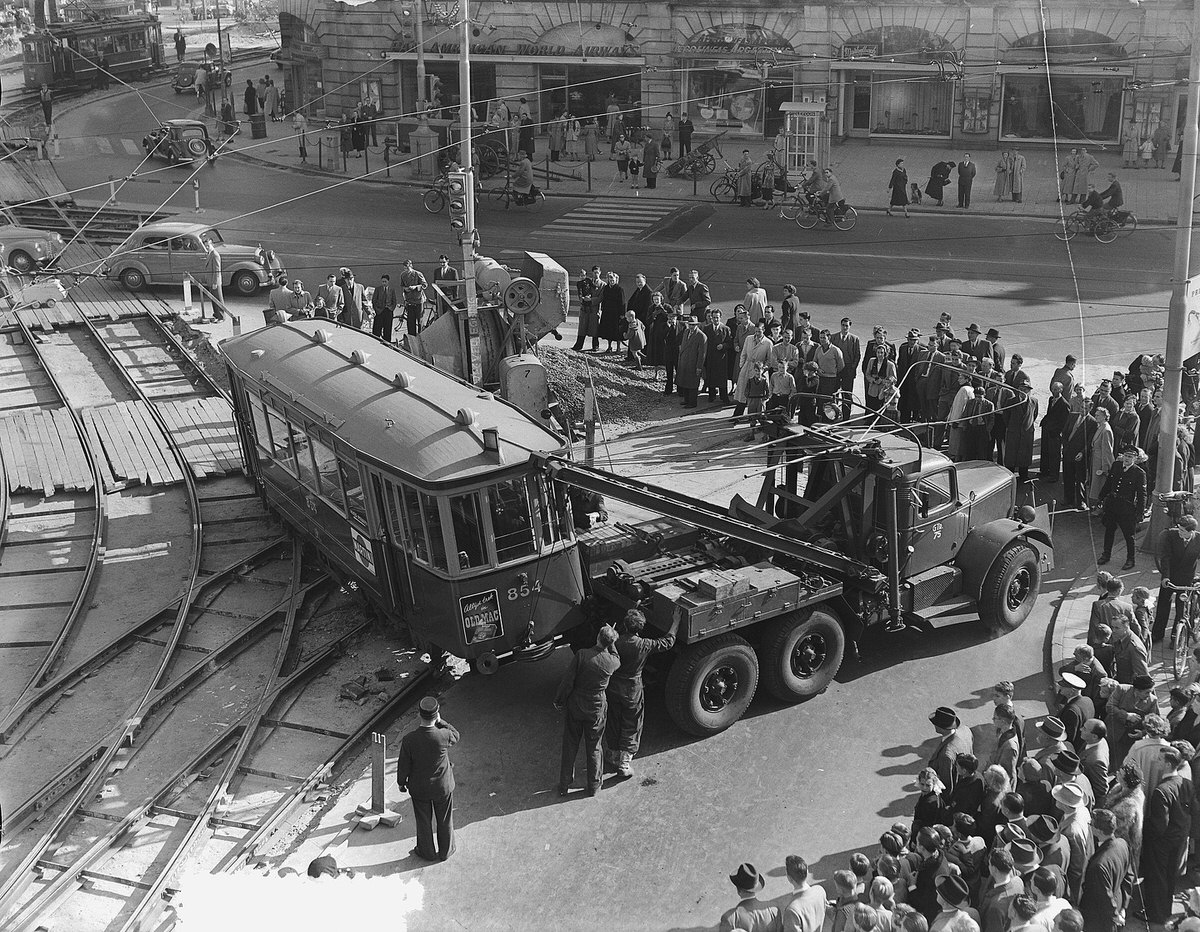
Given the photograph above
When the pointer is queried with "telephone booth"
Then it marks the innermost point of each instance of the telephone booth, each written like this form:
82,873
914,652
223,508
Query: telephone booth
806,130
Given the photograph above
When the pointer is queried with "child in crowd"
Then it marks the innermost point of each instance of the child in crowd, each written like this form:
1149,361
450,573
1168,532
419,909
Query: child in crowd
757,391
860,865
783,387
841,910
1143,613
635,339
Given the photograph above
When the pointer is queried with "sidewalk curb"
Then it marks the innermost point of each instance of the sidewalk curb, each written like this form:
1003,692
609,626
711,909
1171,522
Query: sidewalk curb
681,201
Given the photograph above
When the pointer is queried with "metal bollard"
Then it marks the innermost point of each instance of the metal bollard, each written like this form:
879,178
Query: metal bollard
57,151
366,160
187,296
378,761
320,160
547,171
589,165
196,191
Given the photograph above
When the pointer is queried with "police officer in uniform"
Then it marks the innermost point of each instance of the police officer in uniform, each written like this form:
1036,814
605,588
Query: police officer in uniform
1123,499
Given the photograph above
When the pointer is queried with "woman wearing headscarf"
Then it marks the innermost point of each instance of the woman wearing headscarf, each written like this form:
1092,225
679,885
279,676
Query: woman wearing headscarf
755,300
899,188
612,312
1003,175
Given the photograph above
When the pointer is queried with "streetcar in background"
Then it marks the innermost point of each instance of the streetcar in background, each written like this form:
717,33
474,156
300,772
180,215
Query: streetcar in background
425,489
67,53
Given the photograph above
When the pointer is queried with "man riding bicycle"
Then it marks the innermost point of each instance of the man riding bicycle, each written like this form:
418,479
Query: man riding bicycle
523,180
1113,196
829,191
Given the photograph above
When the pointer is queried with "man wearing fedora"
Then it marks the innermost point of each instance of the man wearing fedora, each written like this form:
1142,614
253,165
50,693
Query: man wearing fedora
1027,858
999,352
953,740
1165,836
975,347
1052,736
1108,879
1127,706
751,914
952,897
582,695
423,768
1034,789
1076,707
1076,827
1001,886
1054,850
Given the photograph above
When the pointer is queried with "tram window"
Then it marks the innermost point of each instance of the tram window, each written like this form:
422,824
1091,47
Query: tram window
304,460
352,483
120,43
262,430
327,473
433,527
393,506
512,520
281,442
137,40
468,531
412,515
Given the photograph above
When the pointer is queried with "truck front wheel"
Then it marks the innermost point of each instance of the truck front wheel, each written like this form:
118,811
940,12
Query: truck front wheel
801,654
711,684
1011,587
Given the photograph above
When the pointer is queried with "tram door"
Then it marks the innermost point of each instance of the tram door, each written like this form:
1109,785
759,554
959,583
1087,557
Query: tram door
390,504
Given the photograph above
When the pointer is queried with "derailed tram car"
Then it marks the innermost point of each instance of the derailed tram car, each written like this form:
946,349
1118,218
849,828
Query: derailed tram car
423,488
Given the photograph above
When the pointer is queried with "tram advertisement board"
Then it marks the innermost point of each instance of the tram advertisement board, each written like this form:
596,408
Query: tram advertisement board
481,616
1191,326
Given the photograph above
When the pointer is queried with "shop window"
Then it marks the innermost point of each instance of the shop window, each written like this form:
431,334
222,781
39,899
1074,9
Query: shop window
726,96
281,441
911,105
467,522
352,485
512,520
1084,107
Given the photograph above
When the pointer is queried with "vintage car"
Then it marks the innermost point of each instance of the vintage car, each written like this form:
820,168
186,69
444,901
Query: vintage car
25,249
179,141
163,253
189,72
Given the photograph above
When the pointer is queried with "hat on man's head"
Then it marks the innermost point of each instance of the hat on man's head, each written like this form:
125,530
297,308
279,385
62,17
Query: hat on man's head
993,333
1069,795
1065,762
953,889
1008,832
974,328
1041,828
429,708
1143,681
1072,680
747,877
1127,448
915,333
944,717
1052,727
1026,856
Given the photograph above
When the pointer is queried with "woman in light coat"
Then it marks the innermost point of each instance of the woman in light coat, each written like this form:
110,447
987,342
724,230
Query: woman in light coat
745,179
590,134
558,136
756,348
572,137
1129,148
1083,174
1102,453
1003,175
755,300
1066,177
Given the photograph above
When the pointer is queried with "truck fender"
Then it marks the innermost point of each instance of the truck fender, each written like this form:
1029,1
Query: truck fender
985,543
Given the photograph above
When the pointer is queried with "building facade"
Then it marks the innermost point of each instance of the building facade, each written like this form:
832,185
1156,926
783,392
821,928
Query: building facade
979,74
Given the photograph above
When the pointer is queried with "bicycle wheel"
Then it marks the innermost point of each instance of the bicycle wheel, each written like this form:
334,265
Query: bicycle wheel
723,189
709,164
1182,639
791,210
807,219
489,161
1129,224
1067,228
1106,229
434,200
501,197
845,220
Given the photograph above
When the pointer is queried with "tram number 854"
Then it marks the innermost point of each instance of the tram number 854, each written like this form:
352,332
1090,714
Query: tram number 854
524,590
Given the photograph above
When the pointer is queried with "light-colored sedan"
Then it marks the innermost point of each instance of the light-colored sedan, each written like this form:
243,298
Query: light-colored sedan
25,249
163,253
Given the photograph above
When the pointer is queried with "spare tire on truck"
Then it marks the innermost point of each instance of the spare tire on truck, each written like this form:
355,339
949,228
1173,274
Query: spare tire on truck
711,684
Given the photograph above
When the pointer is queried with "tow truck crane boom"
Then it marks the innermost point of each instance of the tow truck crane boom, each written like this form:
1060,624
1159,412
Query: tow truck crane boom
706,516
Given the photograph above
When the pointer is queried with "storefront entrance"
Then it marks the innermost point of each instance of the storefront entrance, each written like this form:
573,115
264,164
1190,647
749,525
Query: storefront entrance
587,90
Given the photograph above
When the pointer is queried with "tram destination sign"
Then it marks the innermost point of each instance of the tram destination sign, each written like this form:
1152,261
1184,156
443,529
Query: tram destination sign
481,616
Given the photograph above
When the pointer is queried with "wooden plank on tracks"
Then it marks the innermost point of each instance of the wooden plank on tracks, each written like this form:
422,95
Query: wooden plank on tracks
54,451
193,445
139,457
14,457
168,468
72,441
115,450
92,437
52,475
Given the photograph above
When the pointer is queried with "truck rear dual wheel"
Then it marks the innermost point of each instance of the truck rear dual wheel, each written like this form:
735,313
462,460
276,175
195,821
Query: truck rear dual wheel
1011,588
801,654
711,684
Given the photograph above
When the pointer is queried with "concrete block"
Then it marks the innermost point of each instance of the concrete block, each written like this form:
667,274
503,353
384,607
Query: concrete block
368,822
390,819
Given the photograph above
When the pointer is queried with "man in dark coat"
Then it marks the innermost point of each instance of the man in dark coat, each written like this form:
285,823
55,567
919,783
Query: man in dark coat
1165,836
966,178
383,303
967,795
250,99
1077,450
740,327
589,288
1123,499
1076,708
1177,552
1108,879
651,157
698,295
672,334
693,355
583,695
975,347
999,353
1019,422
852,355
908,359
423,768
685,133
1053,423
353,300
953,740
716,362
626,701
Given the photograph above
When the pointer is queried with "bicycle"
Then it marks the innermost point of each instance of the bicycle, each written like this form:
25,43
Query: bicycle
725,187
1183,631
808,212
509,196
1100,224
436,197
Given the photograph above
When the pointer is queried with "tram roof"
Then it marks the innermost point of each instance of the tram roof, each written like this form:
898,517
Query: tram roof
416,430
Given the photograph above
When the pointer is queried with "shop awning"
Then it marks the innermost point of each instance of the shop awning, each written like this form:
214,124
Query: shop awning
632,61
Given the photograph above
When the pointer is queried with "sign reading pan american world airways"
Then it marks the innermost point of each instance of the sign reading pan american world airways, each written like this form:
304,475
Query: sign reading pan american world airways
534,50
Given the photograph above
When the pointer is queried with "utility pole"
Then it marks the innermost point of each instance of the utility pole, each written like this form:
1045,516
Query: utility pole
469,236
422,89
1177,313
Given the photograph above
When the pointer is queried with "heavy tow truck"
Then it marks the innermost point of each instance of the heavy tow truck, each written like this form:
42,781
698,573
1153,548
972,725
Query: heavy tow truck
881,529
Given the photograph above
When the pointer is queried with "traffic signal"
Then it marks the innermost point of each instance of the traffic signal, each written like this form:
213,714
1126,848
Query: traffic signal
462,206
435,90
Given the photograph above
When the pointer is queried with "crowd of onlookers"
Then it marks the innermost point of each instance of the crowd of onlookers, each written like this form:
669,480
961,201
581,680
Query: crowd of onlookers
1080,823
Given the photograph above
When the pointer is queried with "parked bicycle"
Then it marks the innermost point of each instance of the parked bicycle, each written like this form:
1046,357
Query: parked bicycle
1183,631
1104,225
807,212
725,188
436,197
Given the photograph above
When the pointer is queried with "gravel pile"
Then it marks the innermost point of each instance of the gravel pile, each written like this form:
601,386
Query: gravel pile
627,399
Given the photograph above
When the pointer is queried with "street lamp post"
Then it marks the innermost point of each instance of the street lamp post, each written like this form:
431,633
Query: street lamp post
1177,313
468,236
422,90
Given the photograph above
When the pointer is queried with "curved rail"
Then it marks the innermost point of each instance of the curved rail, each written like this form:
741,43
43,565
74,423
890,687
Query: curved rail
96,553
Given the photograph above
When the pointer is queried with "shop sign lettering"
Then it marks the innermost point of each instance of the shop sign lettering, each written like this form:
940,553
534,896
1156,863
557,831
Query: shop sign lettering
533,50
481,616
858,50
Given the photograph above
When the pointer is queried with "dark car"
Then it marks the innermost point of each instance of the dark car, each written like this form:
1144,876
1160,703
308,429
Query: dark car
189,72
179,141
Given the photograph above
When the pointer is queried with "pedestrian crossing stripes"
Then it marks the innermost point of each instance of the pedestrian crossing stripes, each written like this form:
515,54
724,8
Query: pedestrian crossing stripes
610,219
